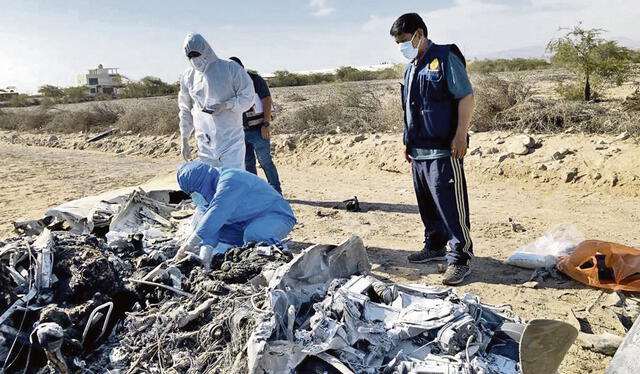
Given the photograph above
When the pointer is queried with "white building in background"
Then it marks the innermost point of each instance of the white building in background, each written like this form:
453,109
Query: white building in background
7,93
101,81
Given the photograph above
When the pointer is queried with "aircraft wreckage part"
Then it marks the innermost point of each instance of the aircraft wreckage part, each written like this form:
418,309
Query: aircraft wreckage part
179,292
44,247
294,284
93,316
78,213
544,344
259,309
101,135
625,361
50,335
356,323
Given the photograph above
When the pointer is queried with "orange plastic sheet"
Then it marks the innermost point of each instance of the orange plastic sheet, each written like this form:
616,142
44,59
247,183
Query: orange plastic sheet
604,265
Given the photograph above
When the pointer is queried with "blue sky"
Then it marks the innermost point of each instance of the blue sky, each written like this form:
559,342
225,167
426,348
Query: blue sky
53,41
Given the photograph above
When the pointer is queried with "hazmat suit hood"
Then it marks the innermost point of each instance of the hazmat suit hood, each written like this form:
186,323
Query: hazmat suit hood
197,176
196,43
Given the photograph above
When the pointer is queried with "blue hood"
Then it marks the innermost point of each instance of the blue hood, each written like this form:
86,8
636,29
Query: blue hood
197,176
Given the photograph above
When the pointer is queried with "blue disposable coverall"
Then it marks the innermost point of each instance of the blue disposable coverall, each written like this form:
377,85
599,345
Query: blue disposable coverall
241,208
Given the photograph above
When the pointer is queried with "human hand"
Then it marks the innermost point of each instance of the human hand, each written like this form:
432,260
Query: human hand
266,132
186,149
406,155
459,146
215,109
188,247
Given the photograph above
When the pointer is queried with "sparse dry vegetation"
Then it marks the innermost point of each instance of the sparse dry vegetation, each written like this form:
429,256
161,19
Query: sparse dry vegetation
494,95
549,116
632,103
153,118
352,109
503,102
504,64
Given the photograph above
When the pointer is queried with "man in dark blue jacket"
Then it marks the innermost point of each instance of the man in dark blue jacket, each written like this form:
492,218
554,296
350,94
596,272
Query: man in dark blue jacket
437,99
257,133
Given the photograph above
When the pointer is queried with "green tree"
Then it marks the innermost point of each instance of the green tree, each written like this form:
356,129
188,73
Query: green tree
149,86
585,53
76,94
20,100
51,91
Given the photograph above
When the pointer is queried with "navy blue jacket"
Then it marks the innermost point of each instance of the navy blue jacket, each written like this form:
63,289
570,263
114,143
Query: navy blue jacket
433,111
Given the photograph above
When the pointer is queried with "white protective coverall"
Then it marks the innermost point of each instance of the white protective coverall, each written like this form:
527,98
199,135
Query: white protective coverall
214,83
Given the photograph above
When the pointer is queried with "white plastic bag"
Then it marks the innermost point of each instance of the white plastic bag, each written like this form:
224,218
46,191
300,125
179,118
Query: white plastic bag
561,240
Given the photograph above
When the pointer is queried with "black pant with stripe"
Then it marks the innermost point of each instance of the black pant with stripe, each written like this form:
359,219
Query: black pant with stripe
441,190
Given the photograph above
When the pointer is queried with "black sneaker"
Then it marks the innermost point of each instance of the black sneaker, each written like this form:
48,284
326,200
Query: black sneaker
427,255
455,274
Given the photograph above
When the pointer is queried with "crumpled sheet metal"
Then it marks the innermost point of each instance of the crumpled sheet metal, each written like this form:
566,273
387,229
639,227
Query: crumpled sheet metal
296,283
324,312
320,264
140,213
78,212
44,248
625,361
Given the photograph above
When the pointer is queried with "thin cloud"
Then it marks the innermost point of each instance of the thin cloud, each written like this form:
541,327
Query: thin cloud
322,8
491,28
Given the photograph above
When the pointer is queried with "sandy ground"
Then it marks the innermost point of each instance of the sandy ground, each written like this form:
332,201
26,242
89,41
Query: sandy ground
36,178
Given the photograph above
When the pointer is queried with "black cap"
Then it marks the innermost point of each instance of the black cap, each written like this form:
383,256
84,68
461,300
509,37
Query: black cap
234,58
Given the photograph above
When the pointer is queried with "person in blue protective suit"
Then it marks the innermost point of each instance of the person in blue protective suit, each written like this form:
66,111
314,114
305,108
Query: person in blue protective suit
235,208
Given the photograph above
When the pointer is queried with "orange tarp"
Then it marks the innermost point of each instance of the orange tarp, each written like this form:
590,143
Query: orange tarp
620,261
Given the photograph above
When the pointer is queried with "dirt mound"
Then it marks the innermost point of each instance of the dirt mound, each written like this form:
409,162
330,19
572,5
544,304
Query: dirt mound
603,162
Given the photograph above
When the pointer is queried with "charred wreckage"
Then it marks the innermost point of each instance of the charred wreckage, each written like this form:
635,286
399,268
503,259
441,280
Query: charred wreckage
90,289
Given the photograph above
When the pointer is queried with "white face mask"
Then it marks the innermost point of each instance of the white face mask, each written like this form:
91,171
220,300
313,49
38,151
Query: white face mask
408,50
198,63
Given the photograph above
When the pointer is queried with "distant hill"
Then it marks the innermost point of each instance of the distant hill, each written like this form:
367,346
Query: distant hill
523,52
538,51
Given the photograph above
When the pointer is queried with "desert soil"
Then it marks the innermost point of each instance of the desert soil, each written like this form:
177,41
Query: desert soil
35,178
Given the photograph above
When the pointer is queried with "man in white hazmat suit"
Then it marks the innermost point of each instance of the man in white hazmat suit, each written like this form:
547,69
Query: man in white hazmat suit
213,95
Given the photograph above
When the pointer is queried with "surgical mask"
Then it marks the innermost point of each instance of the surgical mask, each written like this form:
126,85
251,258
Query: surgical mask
408,50
199,63
199,200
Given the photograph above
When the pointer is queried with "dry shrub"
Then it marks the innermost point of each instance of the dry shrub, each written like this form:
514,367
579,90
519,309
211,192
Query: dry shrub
350,110
295,97
494,95
632,102
68,122
96,116
547,116
106,114
26,120
151,118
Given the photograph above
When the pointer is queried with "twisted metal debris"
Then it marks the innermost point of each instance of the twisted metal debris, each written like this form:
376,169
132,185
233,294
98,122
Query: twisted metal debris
103,297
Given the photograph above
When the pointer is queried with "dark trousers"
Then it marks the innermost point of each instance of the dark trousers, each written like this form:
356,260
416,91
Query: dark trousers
257,146
441,190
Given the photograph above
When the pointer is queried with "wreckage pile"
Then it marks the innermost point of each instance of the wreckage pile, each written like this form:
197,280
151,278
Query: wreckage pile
328,315
100,294
106,297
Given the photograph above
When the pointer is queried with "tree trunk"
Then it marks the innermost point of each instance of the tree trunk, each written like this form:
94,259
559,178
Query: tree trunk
587,90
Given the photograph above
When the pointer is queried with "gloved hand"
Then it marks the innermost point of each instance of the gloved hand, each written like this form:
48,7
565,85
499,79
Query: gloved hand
215,109
188,246
186,149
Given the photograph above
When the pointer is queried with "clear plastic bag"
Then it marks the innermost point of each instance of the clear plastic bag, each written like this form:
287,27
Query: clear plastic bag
545,251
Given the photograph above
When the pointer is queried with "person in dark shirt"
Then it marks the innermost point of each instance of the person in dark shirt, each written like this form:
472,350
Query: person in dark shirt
257,133
437,99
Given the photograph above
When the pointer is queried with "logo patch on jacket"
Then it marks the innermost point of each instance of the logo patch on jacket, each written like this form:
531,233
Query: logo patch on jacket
434,65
